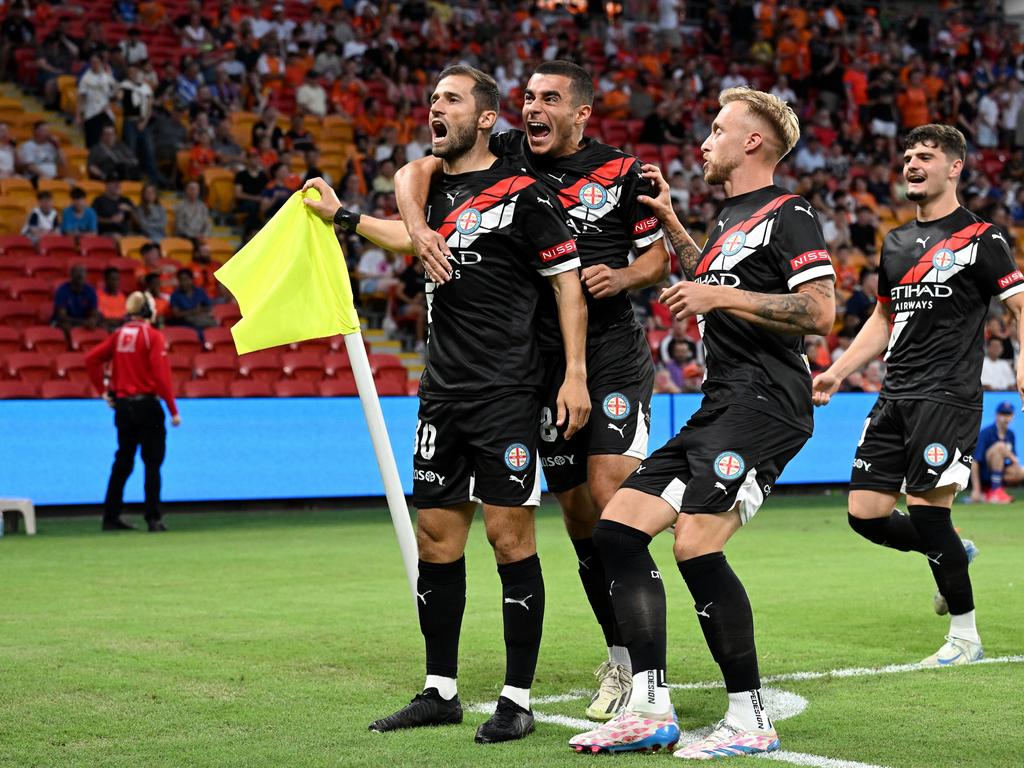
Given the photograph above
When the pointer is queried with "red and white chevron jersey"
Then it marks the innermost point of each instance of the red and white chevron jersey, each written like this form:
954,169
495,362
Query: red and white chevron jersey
597,187
766,241
937,278
482,338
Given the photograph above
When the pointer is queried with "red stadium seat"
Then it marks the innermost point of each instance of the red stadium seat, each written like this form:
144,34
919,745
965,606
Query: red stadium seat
33,290
218,339
85,339
305,366
17,247
181,370
206,389
314,346
391,381
14,314
99,246
44,338
59,247
343,386
377,362
31,367
264,366
47,267
59,389
182,340
296,388
17,390
10,340
243,388
71,366
126,267
12,269
412,387
337,363
215,366
227,314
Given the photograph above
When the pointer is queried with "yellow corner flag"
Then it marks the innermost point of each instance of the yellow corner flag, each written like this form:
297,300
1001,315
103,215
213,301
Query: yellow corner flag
290,281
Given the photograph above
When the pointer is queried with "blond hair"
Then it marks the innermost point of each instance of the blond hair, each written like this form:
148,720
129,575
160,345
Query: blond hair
772,110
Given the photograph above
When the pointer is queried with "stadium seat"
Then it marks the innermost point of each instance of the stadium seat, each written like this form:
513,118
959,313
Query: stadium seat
31,290
220,186
181,370
378,362
218,339
391,380
31,367
177,249
13,212
15,314
262,366
77,159
336,363
243,388
221,249
296,388
305,366
45,339
17,246
59,247
208,388
10,340
412,387
215,366
343,386
126,267
227,314
182,340
58,389
49,267
315,346
71,366
96,246
84,339
12,268
131,247
17,390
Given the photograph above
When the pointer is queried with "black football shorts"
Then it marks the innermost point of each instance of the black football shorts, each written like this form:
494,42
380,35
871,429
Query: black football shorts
477,450
722,457
620,378
913,446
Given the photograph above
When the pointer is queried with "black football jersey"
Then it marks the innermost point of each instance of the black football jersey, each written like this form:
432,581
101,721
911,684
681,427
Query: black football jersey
766,241
937,279
597,187
482,327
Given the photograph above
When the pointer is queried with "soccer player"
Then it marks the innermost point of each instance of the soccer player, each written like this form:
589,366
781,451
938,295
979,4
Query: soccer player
597,185
476,438
995,459
762,281
938,274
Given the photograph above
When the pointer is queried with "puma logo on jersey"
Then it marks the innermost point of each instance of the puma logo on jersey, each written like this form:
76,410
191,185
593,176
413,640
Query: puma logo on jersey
722,223
999,236
522,602
621,430
923,241
704,611
451,197
520,480
641,468
806,210
721,487
560,179
423,597
545,201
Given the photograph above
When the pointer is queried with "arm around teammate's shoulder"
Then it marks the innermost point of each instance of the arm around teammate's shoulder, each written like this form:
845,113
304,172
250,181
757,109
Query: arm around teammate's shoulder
870,342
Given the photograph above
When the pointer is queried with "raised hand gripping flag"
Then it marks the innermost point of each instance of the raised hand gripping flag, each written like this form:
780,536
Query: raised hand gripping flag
290,281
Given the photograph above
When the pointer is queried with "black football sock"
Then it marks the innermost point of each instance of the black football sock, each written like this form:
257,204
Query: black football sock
441,600
638,602
725,617
946,556
897,531
522,608
595,584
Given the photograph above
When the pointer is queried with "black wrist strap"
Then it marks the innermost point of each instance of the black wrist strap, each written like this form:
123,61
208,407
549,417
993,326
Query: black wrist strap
346,221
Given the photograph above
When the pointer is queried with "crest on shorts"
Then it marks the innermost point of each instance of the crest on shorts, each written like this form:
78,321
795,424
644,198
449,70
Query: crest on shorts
517,458
729,465
616,406
469,221
734,243
593,195
943,259
935,455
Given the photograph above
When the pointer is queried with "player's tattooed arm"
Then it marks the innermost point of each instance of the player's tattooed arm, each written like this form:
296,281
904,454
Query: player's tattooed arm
1016,306
811,310
661,205
412,182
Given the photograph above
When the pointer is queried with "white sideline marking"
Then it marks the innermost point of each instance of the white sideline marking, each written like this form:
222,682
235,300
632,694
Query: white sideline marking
840,673
815,761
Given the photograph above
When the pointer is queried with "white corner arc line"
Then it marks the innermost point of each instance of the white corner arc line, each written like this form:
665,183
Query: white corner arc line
889,669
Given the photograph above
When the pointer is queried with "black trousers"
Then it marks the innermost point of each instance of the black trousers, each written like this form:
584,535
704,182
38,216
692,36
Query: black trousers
140,423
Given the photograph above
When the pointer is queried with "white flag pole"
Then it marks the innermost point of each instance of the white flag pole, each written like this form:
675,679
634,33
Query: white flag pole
385,457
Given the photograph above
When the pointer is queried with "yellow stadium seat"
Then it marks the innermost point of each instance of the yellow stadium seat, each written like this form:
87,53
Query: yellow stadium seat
131,246
221,249
132,190
15,183
76,160
92,188
177,249
220,186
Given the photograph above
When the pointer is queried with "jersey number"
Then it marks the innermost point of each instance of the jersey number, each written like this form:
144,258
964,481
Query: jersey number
548,430
426,439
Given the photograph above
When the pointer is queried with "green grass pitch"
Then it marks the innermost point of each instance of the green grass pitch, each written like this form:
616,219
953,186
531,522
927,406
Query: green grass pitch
273,639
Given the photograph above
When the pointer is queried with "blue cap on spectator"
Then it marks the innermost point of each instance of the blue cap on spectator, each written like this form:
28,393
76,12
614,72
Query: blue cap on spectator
1005,407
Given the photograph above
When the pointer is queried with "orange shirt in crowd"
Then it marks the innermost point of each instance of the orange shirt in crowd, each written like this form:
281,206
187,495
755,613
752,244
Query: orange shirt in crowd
934,86
110,305
203,275
369,124
913,106
199,159
857,82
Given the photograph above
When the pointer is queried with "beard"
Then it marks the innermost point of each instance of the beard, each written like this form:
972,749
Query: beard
461,139
719,172
916,196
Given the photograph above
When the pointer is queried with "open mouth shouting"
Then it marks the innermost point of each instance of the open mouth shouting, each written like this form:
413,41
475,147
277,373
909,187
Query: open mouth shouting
539,133
438,131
